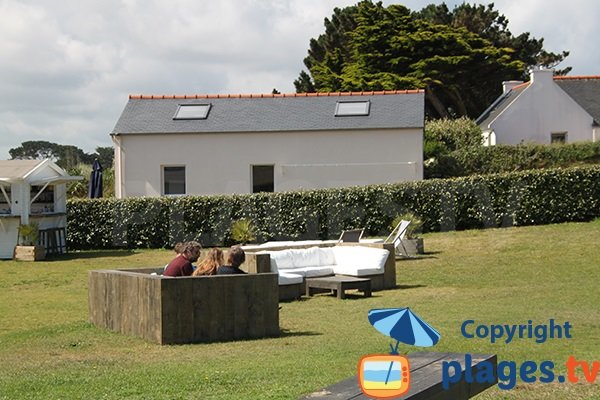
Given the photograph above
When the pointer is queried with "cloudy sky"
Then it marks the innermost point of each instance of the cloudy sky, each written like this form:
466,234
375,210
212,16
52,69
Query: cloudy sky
68,66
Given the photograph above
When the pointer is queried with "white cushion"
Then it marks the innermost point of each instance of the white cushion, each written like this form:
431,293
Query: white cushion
326,256
371,240
285,278
311,272
281,260
359,260
356,271
305,257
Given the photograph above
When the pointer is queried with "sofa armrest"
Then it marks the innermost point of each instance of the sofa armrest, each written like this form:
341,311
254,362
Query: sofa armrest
257,263
389,274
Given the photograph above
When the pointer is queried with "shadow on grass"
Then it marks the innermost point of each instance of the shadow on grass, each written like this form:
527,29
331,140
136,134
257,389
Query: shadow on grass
349,296
409,286
419,257
89,254
287,333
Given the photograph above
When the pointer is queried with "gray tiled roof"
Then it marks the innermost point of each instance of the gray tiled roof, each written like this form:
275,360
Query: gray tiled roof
268,113
498,106
585,91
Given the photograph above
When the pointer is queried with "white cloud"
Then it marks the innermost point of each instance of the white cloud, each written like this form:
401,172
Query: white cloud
67,67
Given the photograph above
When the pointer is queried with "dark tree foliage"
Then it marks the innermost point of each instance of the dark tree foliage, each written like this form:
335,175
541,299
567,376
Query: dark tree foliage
493,26
65,156
460,57
105,155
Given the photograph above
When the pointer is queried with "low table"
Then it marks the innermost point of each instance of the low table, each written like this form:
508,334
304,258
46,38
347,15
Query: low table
426,380
339,284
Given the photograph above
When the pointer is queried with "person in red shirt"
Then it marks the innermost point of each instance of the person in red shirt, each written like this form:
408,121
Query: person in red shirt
182,264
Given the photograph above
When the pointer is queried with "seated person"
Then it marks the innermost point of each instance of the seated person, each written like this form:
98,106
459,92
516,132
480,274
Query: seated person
177,249
211,262
182,264
235,258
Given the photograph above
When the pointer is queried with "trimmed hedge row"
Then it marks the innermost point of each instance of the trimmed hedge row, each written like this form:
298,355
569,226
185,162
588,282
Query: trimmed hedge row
520,198
508,158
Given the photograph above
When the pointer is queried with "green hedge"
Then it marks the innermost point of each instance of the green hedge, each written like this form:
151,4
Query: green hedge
521,198
507,158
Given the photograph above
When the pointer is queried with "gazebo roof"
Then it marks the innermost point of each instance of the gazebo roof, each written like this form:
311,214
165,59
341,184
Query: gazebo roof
17,169
27,170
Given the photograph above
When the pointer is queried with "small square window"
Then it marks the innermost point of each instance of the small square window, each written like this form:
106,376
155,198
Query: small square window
192,111
173,180
263,178
352,108
558,138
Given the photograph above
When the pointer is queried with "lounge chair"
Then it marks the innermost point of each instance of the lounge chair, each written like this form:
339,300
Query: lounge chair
399,232
351,236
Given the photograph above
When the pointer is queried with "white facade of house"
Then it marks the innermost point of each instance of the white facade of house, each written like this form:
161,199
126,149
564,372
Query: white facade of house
222,162
540,112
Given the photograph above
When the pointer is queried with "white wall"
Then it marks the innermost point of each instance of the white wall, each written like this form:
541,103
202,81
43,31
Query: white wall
220,163
542,108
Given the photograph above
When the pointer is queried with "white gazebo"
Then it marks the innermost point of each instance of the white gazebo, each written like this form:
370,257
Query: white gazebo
33,191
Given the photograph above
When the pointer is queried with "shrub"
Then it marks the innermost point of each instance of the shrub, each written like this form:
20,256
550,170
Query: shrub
518,198
446,135
507,158
242,231
28,234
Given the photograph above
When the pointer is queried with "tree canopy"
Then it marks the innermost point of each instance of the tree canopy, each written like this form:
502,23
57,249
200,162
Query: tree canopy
460,57
66,156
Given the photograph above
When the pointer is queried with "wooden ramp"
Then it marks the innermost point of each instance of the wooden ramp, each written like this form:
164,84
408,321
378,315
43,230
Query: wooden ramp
426,380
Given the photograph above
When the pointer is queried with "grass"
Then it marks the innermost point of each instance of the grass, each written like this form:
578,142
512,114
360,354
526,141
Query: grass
498,276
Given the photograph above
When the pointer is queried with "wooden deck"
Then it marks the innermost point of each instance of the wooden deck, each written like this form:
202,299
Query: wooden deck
426,380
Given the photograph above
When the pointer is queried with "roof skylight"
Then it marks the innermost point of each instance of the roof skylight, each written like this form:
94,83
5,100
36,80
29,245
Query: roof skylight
192,111
352,108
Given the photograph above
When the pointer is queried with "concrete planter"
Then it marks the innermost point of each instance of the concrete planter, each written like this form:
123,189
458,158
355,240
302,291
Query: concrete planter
414,246
29,253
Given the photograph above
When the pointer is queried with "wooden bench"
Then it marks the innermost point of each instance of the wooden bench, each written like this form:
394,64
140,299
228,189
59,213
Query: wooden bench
169,310
425,377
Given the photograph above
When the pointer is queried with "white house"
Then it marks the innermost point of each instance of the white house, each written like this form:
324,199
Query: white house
547,109
33,191
225,144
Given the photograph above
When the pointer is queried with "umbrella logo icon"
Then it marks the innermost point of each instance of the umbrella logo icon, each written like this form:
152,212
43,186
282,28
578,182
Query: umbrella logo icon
388,375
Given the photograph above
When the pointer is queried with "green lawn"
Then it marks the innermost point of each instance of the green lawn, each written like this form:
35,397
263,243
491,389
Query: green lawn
48,349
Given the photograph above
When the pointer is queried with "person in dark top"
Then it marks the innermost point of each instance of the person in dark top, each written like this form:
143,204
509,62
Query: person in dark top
182,264
235,258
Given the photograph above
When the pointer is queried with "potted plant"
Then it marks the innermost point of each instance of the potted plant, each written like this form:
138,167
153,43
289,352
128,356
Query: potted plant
27,248
412,241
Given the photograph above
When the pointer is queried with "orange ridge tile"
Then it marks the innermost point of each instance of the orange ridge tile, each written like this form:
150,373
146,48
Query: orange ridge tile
576,78
263,96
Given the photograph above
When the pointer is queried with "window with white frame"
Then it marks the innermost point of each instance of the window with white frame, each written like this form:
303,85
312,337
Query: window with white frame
192,111
173,180
352,108
558,137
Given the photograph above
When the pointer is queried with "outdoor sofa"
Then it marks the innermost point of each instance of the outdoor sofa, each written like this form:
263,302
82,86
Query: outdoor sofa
293,265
